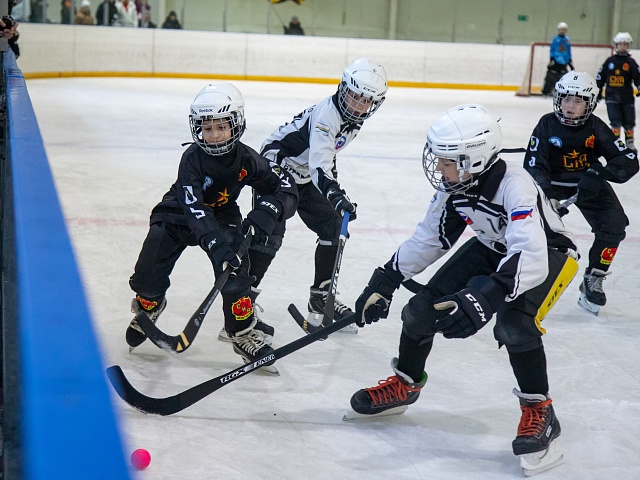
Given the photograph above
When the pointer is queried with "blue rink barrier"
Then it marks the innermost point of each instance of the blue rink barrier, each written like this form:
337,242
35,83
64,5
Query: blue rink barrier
67,426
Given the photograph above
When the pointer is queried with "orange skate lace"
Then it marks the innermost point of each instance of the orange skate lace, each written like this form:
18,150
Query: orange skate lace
389,391
533,418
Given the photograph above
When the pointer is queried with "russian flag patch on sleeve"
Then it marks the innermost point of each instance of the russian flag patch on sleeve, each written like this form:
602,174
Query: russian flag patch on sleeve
521,213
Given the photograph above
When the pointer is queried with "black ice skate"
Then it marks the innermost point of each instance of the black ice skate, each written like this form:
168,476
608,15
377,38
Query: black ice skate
592,295
134,334
265,328
317,301
251,345
536,442
391,397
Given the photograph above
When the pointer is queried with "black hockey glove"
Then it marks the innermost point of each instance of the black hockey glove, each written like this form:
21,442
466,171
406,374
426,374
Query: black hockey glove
262,218
337,197
374,301
591,182
219,251
472,308
552,62
571,65
557,206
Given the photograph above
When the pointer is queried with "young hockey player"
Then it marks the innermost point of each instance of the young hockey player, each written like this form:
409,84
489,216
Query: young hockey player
559,58
617,76
563,157
201,209
307,148
516,267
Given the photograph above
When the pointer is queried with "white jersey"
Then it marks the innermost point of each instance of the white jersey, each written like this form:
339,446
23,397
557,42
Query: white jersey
510,215
310,141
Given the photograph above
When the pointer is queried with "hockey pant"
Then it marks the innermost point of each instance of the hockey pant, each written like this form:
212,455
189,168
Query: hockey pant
622,115
162,248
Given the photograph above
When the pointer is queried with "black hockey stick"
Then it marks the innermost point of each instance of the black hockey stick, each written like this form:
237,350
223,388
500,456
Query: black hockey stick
179,343
563,209
329,306
182,400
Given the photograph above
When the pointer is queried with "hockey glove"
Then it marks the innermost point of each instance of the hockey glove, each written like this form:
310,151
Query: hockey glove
591,182
571,65
374,301
471,308
262,218
557,206
552,63
337,197
219,252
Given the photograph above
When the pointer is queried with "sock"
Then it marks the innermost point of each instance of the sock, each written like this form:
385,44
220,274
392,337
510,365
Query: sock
530,370
413,357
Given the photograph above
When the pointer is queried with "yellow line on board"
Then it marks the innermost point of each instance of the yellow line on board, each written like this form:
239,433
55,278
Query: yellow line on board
260,78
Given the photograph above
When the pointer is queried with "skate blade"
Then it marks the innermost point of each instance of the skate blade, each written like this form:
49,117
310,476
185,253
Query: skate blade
315,319
353,415
538,462
349,330
588,306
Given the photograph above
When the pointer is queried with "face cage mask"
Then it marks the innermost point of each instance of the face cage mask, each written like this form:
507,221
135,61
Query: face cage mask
356,103
436,178
572,122
216,148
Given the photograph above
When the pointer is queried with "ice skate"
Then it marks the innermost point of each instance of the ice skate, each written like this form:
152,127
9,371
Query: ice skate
134,334
317,301
251,345
592,295
536,442
391,397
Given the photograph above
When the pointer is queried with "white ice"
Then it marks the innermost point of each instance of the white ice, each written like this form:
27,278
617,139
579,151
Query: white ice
114,146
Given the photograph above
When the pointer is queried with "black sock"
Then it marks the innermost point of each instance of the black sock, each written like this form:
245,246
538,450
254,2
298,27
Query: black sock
413,357
530,369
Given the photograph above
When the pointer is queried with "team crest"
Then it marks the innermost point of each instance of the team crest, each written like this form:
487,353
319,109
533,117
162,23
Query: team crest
208,181
341,141
556,142
466,218
242,174
590,142
625,67
607,254
242,308
533,144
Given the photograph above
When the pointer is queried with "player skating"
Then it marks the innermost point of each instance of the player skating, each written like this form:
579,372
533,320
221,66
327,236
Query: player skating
616,77
516,267
201,209
563,157
307,148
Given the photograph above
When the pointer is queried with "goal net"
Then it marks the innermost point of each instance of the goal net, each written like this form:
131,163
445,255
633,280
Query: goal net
586,58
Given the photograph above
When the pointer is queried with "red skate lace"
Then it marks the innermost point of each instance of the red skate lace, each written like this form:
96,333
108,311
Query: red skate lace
389,391
533,418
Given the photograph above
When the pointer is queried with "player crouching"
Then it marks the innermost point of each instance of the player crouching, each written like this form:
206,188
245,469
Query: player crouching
514,269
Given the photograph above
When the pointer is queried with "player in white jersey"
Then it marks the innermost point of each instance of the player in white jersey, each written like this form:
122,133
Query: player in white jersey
520,261
307,148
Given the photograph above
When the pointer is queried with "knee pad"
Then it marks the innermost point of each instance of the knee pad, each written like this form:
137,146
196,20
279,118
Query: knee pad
611,238
419,317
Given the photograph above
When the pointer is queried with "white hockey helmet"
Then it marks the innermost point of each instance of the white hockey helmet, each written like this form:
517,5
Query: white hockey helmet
622,37
468,135
577,84
362,90
563,26
217,103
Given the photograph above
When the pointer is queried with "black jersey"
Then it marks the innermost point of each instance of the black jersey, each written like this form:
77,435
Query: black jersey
208,188
559,154
618,74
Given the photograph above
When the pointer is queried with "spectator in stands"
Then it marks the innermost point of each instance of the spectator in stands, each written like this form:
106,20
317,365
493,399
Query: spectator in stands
107,13
145,20
65,12
172,21
560,59
84,17
127,13
36,12
294,27
141,6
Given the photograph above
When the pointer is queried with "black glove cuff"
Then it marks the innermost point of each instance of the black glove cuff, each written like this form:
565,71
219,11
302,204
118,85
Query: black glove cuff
212,241
326,183
270,205
381,284
488,287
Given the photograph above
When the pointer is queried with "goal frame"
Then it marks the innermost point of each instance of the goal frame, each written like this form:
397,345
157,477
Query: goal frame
525,87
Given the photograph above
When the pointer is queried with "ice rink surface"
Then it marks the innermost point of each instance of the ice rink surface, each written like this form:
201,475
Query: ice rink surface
114,146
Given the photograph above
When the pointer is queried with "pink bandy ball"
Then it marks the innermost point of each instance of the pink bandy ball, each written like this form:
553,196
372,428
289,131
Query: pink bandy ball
140,459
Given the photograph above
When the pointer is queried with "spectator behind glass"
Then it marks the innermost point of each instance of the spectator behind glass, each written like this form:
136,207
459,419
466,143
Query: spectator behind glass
84,17
65,12
107,13
172,21
294,27
127,13
9,29
36,12
145,20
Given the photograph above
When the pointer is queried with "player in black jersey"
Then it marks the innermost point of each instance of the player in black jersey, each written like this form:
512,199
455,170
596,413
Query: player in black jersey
201,209
563,157
616,76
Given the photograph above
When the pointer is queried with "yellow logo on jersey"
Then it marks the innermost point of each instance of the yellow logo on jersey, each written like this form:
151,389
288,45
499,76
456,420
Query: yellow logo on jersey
575,161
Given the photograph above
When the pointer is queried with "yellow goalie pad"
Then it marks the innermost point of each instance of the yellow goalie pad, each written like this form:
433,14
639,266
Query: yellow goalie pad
569,270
